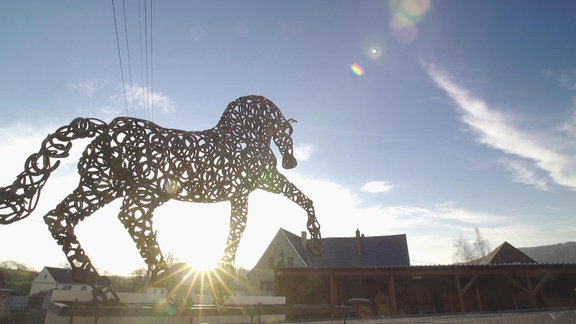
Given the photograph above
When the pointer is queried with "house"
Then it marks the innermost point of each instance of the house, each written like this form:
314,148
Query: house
56,278
288,250
505,279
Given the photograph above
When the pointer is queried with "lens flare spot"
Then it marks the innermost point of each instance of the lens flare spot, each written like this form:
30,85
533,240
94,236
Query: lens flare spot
402,29
357,69
406,14
374,46
416,8
375,52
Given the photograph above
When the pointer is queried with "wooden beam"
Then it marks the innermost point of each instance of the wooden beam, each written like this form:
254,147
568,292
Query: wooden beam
541,283
460,294
517,283
469,284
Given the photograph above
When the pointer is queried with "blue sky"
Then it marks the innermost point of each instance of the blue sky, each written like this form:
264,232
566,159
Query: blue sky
417,117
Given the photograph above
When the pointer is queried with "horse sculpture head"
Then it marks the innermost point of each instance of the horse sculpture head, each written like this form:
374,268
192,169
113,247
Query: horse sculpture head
283,139
241,115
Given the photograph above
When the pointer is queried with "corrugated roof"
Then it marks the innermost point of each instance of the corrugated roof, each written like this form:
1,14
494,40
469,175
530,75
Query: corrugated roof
375,251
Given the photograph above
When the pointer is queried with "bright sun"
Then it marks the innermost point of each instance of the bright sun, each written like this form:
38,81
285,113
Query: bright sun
202,261
193,233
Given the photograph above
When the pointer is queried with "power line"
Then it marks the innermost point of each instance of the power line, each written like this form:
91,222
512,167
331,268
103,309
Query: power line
146,56
148,106
120,57
140,28
147,65
151,66
128,55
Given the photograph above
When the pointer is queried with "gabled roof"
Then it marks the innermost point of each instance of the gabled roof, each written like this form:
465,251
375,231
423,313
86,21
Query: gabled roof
503,254
60,275
358,251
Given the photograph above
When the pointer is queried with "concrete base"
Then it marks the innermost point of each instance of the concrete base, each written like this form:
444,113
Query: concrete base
75,307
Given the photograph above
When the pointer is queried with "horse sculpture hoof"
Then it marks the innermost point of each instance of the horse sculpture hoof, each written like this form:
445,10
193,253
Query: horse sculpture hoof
102,291
315,247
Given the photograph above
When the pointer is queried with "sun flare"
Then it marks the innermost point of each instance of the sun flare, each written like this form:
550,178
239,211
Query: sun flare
205,262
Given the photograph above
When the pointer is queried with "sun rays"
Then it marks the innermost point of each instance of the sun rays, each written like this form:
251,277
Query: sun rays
188,285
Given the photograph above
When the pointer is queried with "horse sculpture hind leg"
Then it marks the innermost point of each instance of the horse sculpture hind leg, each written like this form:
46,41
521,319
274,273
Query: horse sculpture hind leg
273,181
136,216
62,221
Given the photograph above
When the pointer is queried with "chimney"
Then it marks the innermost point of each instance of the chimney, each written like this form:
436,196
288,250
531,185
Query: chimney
303,235
359,242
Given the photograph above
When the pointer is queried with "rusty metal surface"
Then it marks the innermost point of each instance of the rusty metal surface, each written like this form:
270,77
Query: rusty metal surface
146,165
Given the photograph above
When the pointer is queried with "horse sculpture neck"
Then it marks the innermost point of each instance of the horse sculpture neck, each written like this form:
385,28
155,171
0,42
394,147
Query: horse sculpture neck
241,114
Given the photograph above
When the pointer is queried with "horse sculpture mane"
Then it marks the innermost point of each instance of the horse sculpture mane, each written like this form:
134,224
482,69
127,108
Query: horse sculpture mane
148,165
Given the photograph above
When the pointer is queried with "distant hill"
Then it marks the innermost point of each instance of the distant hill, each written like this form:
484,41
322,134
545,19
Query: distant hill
556,253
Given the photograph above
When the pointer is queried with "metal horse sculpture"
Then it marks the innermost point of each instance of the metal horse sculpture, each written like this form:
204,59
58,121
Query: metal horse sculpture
148,165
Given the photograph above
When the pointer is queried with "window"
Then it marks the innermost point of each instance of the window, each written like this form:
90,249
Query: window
83,288
271,262
266,285
66,287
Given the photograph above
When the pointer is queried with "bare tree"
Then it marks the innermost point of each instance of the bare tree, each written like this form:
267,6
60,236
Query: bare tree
466,250
481,244
463,250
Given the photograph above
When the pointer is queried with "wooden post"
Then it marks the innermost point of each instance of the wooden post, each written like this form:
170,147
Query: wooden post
333,297
531,292
478,299
392,295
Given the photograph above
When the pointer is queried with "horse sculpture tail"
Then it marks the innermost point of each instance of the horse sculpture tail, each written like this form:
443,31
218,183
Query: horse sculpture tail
18,200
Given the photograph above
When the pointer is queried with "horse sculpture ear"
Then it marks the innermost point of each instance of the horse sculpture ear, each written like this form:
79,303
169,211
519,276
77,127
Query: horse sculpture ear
290,121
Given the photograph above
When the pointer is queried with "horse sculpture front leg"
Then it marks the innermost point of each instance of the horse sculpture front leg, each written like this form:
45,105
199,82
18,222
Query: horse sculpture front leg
275,182
226,271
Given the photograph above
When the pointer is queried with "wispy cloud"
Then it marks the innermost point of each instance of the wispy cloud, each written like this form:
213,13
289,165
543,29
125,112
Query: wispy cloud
447,215
566,80
303,152
569,127
523,172
111,100
87,87
377,186
546,151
